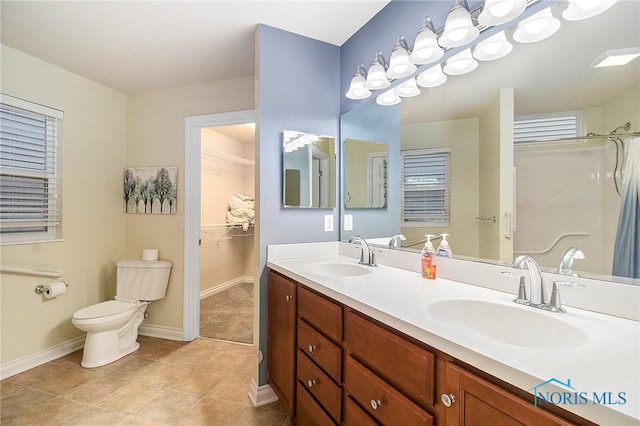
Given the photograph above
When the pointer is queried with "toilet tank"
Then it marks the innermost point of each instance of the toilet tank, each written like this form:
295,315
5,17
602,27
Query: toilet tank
142,279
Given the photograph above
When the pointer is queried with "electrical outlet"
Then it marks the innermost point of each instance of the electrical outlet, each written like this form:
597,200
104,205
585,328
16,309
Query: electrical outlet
348,222
328,222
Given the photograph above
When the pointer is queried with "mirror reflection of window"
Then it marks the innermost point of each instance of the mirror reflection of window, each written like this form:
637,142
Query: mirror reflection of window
366,171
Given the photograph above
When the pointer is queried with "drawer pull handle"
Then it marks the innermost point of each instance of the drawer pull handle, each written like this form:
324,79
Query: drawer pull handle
376,403
312,383
313,348
447,399
288,297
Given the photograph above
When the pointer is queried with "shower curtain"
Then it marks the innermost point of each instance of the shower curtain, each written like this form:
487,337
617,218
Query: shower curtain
626,255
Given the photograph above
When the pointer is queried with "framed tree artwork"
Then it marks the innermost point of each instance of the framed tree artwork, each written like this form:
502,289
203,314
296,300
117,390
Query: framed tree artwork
150,190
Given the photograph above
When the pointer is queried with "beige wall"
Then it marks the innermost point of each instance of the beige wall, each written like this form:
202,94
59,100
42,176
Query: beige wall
155,137
222,252
94,135
462,137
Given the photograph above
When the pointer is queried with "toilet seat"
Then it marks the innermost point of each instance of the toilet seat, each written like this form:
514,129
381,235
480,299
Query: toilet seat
105,309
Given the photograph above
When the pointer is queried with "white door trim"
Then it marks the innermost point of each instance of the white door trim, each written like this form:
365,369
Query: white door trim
192,130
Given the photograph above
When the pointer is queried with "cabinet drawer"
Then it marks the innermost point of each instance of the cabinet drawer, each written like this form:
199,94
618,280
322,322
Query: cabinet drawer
356,416
309,413
379,399
320,349
380,350
320,385
320,312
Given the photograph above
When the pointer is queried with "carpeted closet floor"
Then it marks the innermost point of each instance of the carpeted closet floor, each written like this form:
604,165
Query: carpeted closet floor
228,315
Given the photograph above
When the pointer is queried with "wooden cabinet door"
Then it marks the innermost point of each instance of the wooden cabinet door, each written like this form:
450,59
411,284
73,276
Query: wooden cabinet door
282,339
478,402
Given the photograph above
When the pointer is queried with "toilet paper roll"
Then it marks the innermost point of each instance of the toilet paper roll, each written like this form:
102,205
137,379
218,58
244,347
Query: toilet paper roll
54,289
150,254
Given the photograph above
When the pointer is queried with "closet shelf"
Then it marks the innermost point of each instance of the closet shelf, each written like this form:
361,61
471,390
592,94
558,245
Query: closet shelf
223,225
214,153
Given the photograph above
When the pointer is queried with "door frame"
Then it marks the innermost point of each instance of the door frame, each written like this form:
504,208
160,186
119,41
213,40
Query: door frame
192,199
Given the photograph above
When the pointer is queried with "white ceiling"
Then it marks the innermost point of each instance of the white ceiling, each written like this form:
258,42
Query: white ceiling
135,46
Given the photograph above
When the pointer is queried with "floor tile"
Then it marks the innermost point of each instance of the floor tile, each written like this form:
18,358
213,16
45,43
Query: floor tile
167,407
200,381
130,397
95,416
54,412
65,380
22,401
210,412
95,389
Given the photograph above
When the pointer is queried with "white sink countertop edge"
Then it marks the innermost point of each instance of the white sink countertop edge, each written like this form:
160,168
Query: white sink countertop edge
607,362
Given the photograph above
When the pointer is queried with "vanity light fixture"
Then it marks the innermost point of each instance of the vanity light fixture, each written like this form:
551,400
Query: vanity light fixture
356,88
536,27
582,9
433,77
399,63
494,47
407,89
388,98
426,48
377,77
459,64
496,12
458,28
616,57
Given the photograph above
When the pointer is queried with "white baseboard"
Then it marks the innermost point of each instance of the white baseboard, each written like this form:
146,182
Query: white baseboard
35,359
224,286
161,332
261,395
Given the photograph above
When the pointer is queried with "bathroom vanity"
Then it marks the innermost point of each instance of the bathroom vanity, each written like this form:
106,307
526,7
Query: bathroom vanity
351,345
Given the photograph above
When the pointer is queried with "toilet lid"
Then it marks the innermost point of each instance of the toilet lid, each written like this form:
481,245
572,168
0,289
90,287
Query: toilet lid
110,307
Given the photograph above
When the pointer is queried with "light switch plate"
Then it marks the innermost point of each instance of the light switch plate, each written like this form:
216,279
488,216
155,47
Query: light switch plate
328,223
348,222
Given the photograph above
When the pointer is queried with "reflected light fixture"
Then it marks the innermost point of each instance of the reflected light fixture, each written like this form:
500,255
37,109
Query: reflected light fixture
432,77
496,12
399,63
582,9
388,98
494,47
459,64
616,57
377,77
356,88
536,27
458,28
426,48
407,89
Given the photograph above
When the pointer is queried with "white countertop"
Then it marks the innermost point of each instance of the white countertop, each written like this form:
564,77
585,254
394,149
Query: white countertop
608,360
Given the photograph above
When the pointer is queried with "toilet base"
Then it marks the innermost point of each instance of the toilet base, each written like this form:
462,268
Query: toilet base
102,348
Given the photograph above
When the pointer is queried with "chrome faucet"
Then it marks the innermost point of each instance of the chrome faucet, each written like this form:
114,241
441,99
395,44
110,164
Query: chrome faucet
537,295
366,255
396,241
567,261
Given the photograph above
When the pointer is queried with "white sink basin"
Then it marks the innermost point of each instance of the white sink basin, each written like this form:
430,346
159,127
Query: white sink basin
515,325
338,269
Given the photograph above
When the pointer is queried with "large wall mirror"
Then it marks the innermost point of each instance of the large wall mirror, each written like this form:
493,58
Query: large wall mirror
309,169
536,198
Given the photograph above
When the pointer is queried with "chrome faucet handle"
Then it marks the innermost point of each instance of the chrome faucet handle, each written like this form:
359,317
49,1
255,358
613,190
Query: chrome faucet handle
396,241
372,257
522,296
555,304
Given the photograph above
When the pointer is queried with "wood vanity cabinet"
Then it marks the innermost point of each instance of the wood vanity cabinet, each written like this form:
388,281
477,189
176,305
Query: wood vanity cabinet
282,339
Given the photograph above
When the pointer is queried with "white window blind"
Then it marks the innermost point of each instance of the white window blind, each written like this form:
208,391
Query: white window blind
30,184
426,187
546,127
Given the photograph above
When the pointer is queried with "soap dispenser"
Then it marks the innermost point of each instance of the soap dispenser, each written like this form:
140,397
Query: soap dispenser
426,258
443,249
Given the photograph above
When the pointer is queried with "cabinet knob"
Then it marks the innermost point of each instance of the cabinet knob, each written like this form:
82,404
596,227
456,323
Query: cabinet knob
312,348
447,399
311,383
376,403
288,297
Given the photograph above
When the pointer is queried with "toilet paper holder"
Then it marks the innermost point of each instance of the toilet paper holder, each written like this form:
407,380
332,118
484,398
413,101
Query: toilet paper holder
40,288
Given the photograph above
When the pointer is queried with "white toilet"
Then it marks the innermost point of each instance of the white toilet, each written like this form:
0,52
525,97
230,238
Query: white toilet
112,326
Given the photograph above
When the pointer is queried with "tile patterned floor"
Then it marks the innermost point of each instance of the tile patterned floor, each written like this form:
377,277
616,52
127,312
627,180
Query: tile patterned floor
204,382
228,315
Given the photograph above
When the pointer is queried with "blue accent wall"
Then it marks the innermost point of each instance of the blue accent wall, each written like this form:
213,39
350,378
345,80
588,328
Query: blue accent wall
298,89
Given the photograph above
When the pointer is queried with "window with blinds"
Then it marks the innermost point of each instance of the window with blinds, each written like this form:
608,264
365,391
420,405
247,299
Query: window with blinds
426,187
30,184
546,127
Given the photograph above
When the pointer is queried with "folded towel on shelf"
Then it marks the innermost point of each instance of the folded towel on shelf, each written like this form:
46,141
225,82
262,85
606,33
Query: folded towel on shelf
241,210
